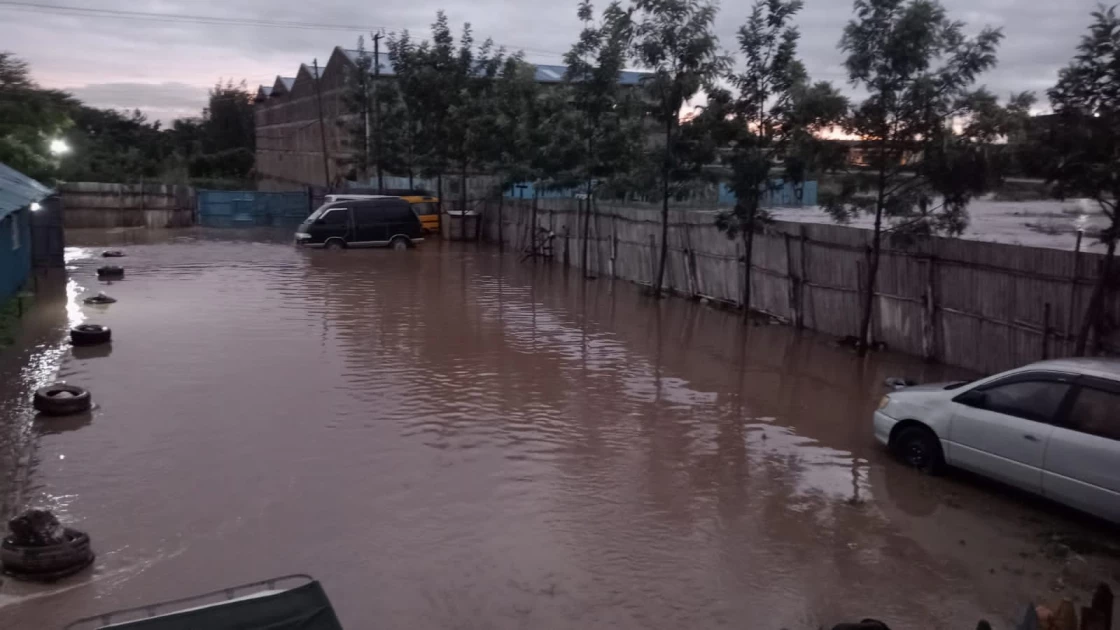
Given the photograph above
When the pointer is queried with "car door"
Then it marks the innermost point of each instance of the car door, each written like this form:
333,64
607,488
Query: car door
369,223
1082,466
400,218
1001,429
335,223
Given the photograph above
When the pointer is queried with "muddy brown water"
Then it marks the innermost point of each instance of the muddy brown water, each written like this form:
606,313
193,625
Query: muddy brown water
448,438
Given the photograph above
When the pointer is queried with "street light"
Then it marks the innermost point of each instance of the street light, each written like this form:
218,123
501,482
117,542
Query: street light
59,147
35,206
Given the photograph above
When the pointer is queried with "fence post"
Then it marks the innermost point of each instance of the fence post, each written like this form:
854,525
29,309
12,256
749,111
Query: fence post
1070,311
929,322
794,281
1046,331
804,275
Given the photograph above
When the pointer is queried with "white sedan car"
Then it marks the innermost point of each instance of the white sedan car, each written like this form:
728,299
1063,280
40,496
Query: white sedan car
1052,428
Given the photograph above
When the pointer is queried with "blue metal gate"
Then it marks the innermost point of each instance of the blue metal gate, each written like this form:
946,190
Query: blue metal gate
246,208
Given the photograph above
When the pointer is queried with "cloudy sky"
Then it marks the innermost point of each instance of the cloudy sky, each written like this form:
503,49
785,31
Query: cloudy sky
165,67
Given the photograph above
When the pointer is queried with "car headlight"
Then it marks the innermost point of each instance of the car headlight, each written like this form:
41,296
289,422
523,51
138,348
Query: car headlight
303,235
883,402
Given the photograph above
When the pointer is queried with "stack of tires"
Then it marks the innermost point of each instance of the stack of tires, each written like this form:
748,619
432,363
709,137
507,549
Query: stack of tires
39,549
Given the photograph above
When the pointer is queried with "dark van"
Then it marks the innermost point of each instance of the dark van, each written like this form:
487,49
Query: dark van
369,222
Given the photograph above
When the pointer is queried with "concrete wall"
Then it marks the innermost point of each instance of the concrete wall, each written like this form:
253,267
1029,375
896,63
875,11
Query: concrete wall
96,205
983,306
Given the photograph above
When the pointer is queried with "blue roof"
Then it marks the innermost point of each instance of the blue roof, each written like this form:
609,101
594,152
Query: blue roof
18,190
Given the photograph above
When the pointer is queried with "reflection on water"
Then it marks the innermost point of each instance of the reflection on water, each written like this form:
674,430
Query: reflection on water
447,438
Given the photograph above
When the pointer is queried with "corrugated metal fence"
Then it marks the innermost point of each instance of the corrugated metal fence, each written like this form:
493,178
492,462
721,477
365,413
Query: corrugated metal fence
983,306
243,208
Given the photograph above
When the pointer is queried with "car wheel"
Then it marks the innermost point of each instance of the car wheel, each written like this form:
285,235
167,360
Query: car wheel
919,448
335,243
399,243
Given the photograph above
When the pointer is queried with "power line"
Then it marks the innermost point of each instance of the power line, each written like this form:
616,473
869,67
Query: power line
178,17
184,18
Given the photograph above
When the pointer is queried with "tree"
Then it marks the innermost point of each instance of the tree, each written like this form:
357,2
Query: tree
775,116
408,61
517,94
1087,103
357,101
916,66
674,39
472,118
604,114
30,117
228,121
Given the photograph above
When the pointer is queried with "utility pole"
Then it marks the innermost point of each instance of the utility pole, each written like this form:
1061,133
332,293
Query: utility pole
377,108
322,127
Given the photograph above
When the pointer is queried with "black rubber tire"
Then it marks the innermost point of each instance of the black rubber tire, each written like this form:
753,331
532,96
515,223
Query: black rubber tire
47,563
335,243
918,447
61,399
399,243
90,335
99,299
110,272
112,253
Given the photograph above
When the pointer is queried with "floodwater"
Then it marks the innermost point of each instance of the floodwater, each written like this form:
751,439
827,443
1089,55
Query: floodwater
448,438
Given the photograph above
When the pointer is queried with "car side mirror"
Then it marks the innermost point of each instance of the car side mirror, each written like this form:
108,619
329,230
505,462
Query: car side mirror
973,398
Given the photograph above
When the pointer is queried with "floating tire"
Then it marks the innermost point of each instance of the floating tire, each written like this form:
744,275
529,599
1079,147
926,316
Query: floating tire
113,253
100,298
110,272
90,335
61,399
47,563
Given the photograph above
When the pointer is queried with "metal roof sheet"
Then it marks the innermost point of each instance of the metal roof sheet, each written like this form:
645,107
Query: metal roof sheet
18,190
544,73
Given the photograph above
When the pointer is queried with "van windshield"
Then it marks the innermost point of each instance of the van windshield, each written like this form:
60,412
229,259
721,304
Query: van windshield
315,215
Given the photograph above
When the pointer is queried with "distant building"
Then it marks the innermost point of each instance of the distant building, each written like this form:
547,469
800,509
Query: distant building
19,197
289,143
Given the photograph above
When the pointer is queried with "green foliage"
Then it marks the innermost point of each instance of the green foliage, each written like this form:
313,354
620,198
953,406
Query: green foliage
675,40
30,117
120,146
228,122
917,67
776,117
1086,101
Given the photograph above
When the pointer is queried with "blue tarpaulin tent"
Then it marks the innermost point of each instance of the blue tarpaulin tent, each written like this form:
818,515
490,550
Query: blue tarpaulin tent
17,193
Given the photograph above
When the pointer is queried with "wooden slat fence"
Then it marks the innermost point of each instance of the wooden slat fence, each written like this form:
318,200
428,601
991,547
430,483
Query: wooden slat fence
983,306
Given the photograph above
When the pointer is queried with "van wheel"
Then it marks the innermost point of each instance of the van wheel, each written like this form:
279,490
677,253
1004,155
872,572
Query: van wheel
919,448
399,243
336,243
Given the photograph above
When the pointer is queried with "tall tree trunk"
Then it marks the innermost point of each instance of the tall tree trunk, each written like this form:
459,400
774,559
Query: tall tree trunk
748,255
533,227
586,231
463,198
872,266
665,168
501,240
1094,312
